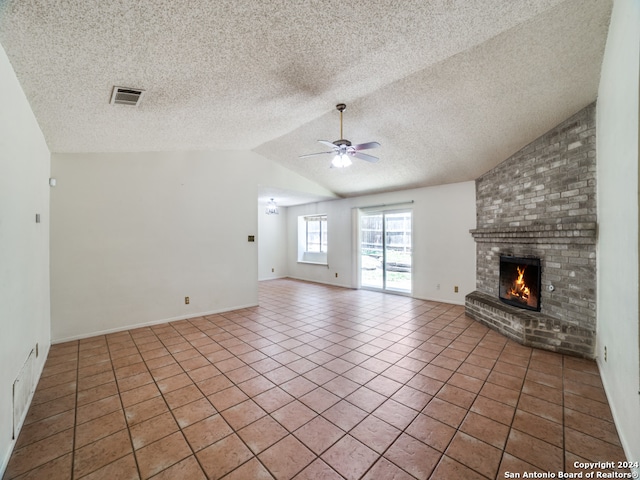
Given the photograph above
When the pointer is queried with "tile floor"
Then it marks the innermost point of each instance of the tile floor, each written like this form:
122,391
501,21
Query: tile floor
317,382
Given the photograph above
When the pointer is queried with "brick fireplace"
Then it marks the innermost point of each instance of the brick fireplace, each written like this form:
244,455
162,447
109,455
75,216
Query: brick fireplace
541,204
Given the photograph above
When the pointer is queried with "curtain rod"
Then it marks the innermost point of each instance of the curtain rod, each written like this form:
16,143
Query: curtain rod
387,205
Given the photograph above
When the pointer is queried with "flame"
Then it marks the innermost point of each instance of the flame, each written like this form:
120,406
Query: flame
519,289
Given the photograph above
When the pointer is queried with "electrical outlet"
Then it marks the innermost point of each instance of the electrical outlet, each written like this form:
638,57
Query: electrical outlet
273,270
36,350
605,353
186,300
336,274
455,289
438,287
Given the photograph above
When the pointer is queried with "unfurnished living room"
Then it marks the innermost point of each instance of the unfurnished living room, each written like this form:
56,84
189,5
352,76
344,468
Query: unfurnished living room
319,239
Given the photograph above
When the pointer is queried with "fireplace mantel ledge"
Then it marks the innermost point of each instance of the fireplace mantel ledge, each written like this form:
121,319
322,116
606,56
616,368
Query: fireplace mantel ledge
584,233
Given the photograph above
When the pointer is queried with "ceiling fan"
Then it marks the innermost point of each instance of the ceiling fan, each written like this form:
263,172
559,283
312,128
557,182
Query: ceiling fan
343,149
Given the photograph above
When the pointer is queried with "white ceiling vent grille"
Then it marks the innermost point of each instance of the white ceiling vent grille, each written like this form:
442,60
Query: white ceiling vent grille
126,96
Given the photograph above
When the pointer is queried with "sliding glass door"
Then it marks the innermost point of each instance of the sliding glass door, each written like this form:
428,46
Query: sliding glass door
385,251
372,250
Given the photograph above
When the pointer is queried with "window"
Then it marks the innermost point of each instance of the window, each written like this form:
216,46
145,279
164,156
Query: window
312,239
316,233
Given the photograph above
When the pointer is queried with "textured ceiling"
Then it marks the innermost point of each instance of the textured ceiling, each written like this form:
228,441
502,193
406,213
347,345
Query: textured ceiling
449,88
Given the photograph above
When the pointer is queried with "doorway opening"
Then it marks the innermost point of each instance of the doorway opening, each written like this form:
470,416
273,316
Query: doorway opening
385,251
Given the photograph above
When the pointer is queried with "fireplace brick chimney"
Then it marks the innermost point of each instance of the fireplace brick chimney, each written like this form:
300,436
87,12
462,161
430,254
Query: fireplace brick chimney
541,202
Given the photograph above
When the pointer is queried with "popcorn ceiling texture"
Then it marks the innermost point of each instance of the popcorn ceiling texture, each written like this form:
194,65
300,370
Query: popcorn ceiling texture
449,88
541,203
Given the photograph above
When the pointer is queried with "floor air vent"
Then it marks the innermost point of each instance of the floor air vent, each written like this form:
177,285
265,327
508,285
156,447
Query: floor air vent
23,388
126,96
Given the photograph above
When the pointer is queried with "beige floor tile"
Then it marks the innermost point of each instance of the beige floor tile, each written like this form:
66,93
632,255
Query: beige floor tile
287,457
162,454
101,452
316,382
223,456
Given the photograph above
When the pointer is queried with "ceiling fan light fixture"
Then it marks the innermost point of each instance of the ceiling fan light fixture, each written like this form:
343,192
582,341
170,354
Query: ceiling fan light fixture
343,149
340,161
272,208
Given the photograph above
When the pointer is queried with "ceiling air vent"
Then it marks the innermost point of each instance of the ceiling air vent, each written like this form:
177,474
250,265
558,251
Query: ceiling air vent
126,96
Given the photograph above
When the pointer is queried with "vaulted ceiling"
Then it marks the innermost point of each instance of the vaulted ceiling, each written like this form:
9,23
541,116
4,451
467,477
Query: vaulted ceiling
450,88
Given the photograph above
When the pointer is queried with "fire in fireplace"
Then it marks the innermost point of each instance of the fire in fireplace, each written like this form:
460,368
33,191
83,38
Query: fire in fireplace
520,282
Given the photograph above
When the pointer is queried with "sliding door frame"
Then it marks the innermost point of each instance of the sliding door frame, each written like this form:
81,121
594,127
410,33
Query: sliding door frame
362,212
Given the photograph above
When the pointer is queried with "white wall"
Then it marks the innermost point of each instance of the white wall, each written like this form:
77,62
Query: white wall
133,234
617,144
443,249
24,245
272,243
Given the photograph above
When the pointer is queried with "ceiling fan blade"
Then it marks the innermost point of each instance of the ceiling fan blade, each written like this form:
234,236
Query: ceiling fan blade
314,154
364,156
328,144
366,146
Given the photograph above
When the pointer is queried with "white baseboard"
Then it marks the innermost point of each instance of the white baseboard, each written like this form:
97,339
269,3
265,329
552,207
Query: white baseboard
322,283
150,323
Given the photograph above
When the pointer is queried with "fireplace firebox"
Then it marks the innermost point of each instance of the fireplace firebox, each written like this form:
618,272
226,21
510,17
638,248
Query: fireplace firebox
519,282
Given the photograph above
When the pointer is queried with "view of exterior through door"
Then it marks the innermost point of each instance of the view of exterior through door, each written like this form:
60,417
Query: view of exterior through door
385,250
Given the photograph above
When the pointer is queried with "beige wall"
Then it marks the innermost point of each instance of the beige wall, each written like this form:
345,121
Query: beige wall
443,248
272,243
133,234
24,244
618,272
